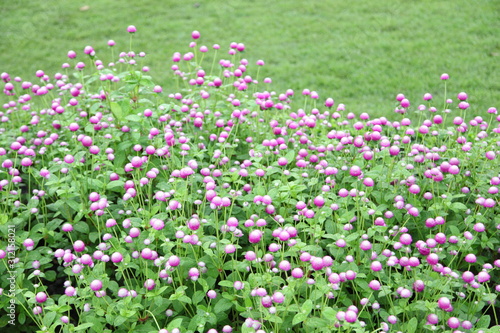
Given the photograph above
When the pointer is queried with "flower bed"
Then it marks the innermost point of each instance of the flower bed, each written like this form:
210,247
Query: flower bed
228,207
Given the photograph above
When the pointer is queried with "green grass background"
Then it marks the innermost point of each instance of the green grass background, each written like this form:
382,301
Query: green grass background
360,52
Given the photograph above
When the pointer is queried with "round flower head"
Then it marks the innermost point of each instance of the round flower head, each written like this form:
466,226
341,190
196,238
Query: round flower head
444,303
41,297
96,285
149,284
255,236
78,246
374,284
212,294
131,29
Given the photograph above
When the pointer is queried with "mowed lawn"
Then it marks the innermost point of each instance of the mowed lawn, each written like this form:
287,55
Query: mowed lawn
361,53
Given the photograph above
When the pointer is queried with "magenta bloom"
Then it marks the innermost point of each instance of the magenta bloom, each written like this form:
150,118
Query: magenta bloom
317,263
195,34
78,246
355,171
149,284
470,258
351,316
211,294
374,284
444,303
376,266
174,261
453,322
41,297
483,277
96,285
319,201
116,257
297,273
255,236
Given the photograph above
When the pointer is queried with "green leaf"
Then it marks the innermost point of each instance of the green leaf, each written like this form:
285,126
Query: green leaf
115,185
362,283
74,205
93,236
127,313
95,107
306,307
204,284
316,322
119,320
176,323
179,295
299,317
312,182
226,283
83,326
197,296
483,322
329,314
95,184
197,322
411,326
22,318
50,275
453,230
110,318
48,319
275,319
133,117
222,305
290,156
458,207
330,226
117,111
184,299
81,227
384,290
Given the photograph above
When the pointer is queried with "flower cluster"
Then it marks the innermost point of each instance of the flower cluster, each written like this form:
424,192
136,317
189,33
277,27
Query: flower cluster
229,207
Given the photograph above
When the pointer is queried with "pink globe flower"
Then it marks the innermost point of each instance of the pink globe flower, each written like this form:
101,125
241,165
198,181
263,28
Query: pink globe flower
470,258
374,285
174,261
79,246
41,297
355,171
483,277
255,236
297,273
230,248
116,257
351,316
453,322
211,294
195,34
376,266
96,285
368,182
444,303
149,284
319,201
